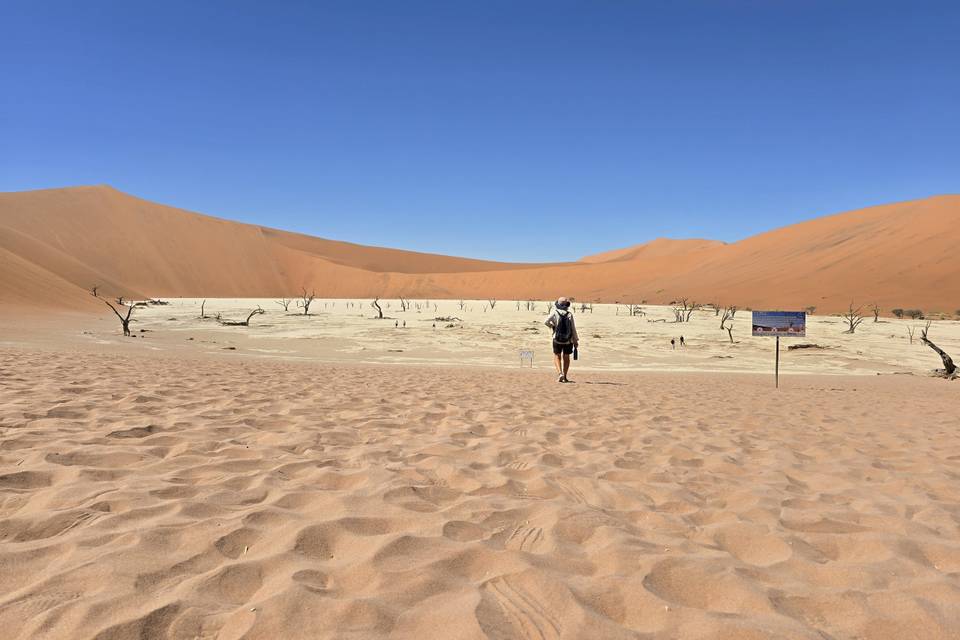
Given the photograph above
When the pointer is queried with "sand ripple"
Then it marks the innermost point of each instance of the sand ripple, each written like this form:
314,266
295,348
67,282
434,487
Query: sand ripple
151,498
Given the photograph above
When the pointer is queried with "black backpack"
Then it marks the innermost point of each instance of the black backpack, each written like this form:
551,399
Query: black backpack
564,330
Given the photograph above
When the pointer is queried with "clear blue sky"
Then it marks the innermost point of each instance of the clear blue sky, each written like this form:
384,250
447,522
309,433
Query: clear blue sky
498,129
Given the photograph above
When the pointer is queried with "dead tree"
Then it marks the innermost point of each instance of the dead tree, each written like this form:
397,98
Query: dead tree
403,304
853,317
124,320
683,310
461,303
910,331
949,369
285,303
240,323
493,303
376,305
728,314
305,300
876,312
730,332
202,314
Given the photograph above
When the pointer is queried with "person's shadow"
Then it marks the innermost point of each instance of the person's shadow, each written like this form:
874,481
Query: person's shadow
616,384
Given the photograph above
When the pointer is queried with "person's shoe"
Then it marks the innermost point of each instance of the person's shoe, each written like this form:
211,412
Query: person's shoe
560,378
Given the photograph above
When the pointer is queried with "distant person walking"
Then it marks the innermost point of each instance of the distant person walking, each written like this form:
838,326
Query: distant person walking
565,338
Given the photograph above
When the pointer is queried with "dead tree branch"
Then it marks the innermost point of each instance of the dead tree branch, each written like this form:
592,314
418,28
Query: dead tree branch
241,323
285,303
949,369
305,300
853,317
728,314
376,305
124,320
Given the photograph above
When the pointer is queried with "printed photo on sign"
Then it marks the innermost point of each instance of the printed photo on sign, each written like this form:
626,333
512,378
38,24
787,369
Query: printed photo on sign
780,323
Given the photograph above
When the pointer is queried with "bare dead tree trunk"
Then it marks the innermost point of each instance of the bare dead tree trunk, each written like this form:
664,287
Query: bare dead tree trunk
876,313
404,304
730,333
461,305
202,314
910,331
727,315
493,303
376,305
124,321
285,303
949,368
307,299
854,318
240,323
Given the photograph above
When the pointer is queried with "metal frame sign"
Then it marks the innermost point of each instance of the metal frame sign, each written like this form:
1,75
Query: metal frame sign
780,324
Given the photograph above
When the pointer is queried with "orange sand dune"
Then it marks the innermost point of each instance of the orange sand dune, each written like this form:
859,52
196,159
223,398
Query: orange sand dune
55,244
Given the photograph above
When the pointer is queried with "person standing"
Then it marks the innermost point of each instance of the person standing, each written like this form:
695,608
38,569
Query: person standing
565,338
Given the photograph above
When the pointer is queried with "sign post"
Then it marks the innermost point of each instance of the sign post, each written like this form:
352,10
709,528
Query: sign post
776,367
776,324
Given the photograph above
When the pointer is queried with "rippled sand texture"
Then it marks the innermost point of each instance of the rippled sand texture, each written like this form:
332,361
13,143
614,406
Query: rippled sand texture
142,497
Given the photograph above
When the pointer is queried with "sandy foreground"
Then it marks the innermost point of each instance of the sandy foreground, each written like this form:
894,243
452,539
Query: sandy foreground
147,491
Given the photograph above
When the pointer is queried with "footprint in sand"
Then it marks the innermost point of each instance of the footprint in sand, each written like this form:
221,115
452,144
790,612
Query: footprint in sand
509,612
25,480
135,432
752,544
315,581
525,538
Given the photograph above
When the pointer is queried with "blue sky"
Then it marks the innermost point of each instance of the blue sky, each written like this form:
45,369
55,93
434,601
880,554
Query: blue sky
497,129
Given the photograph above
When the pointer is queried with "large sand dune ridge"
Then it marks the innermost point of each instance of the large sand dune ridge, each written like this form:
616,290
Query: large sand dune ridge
56,243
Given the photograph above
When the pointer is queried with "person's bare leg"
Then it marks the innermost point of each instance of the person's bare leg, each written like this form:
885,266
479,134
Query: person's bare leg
557,365
566,365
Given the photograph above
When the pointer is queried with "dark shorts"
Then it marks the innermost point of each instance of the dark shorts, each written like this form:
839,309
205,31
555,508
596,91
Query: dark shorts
562,348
